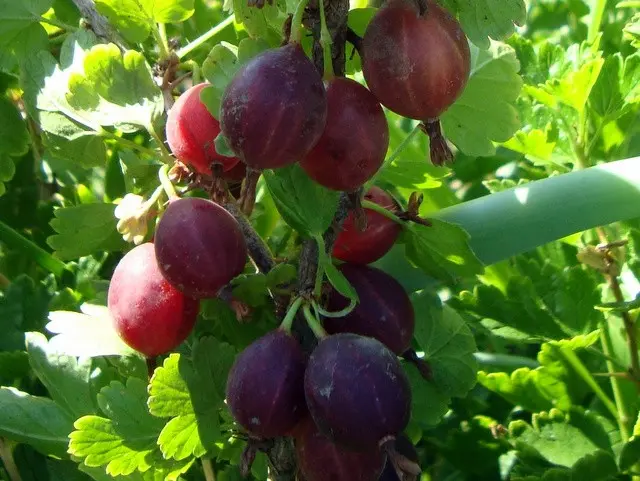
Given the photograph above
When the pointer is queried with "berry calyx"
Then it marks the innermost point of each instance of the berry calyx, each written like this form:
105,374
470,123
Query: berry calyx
275,108
265,390
149,314
355,139
199,246
191,131
356,391
379,236
384,310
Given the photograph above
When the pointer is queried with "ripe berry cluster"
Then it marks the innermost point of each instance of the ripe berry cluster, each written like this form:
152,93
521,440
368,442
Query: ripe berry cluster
349,400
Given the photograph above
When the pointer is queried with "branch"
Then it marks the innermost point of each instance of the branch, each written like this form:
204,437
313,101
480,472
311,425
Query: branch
336,13
99,24
258,250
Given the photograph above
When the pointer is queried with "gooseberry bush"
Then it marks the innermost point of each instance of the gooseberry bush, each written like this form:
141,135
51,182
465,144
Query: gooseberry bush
319,240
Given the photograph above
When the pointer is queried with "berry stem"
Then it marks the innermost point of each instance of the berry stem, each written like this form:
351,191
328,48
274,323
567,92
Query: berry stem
212,32
398,151
287,322
207,468
322,254
167,185
325,41
367,204
314,323
296,23
335,314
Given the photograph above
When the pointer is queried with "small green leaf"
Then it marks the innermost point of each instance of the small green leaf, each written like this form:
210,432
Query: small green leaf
616,88
281,274
306,206
251,288
85,229
428,403
221,143
191,393
496,19
66,378
486,112
630,453
116,89
125,440
36,421
135,18
448,345
218,69
563,439
524,387
20,28
441,250
14,137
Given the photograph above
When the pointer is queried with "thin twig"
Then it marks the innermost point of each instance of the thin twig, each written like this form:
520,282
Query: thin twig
629,325
258,250
99,24
207,467
9,463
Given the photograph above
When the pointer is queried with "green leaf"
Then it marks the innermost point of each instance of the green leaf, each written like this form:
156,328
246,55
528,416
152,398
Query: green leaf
191,393
630,453
553,384
481,19
85,229
448,345
116,89
281,274
135,19
563,439
616,87
89,333
251,288
441,250
305,205
218,69
428,403
87,150
36,421
524,387
485,112
20,28
66,378
125,440
14,137
23,307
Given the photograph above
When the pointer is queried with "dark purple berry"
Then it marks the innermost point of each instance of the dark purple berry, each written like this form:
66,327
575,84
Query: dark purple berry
275,108
384,311
265,387
356,391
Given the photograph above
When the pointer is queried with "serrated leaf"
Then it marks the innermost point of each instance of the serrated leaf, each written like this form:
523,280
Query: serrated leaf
484,19
192,394
563,439
125,440
20,28
14,137
525,387
428,403
116,89
534,144
616,87
630,453
441,250
136,18
36,421
218,69
251,288
85,229
447,343
66,378
305,205
281,274
89,333
23,307
485,112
